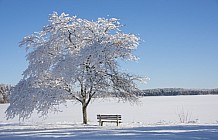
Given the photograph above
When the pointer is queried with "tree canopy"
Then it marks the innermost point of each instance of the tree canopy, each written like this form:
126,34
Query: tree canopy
76,58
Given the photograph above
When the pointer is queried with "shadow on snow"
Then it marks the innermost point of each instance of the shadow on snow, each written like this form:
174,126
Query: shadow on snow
65,132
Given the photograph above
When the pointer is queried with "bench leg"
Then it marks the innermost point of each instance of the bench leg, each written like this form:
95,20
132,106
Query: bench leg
101,123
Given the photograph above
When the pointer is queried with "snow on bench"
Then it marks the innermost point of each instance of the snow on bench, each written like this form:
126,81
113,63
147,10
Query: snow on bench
109,118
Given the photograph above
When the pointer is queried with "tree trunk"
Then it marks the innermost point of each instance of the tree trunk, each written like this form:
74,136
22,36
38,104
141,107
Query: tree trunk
84,110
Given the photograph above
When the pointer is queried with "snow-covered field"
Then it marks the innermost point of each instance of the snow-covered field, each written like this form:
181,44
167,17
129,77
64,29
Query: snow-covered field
153,118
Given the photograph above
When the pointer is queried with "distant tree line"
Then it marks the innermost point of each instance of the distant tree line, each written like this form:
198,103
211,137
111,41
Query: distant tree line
177,91
5,91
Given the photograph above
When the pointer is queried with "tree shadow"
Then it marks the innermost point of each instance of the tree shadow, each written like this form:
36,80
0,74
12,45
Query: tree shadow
65,132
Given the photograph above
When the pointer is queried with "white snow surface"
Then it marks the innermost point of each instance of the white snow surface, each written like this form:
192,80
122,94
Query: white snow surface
153,118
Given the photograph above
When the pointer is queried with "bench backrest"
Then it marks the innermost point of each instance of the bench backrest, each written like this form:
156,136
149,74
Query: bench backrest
109,117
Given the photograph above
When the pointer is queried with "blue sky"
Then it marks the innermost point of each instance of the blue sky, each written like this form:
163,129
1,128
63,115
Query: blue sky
180,37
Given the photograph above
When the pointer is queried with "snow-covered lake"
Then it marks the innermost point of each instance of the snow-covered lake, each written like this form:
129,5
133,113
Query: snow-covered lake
153,118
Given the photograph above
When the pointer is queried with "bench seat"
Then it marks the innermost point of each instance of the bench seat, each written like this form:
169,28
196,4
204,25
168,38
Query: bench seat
109,118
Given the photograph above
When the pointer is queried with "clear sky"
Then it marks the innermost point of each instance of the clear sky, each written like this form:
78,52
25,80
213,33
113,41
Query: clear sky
180,37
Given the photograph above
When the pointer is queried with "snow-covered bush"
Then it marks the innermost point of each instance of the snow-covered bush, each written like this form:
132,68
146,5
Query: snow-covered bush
185,116
5,93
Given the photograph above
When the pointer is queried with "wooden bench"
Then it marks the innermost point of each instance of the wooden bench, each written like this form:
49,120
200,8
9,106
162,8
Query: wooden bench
109,118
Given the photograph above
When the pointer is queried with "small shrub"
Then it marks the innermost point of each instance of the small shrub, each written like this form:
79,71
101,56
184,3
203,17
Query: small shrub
185,116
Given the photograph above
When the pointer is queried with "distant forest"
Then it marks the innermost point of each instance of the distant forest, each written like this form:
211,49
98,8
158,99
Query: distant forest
177,91
5,91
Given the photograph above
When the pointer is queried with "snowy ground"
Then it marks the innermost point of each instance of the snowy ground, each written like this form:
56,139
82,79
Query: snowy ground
154,118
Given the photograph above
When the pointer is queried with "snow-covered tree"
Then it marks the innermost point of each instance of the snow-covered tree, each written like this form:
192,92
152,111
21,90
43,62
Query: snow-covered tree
77,58
5,91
